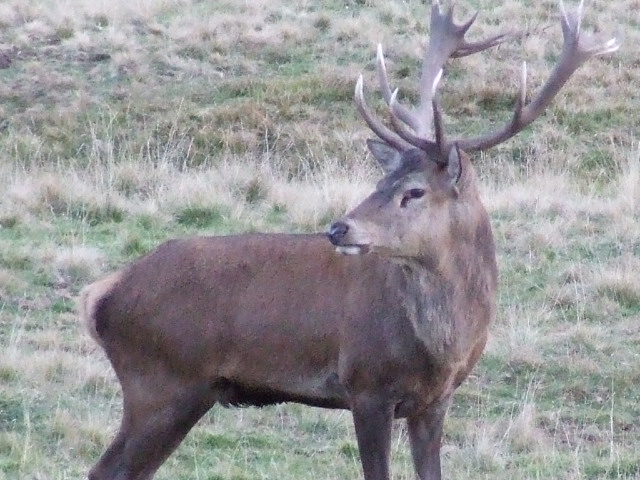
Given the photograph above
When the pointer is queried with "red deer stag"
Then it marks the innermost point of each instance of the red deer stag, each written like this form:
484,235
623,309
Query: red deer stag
261,319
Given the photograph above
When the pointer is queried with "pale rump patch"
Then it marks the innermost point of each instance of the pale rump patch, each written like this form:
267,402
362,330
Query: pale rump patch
90,296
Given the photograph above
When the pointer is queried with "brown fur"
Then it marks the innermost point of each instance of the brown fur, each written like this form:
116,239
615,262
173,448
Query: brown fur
259,319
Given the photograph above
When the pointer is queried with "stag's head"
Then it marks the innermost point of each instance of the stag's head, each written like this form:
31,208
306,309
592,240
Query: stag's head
428,198
422,195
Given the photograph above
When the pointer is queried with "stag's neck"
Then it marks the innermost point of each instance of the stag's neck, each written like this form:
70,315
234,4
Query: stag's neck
451,302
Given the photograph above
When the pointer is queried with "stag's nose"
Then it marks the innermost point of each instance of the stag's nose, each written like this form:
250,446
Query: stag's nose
337,232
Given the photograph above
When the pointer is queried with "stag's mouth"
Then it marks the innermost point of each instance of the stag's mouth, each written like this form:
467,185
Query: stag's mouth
341,237
353,249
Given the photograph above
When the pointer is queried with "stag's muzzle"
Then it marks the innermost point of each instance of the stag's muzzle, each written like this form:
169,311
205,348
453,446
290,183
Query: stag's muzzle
338,234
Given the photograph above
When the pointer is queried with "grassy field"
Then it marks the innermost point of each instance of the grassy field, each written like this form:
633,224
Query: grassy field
124,123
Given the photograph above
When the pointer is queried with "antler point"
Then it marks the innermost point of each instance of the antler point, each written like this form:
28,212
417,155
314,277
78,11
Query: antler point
523,86
380,56
359,86
436,80
394,99
612,45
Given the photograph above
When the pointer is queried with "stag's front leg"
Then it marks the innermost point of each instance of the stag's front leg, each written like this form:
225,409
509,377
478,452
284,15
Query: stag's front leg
372,418
425,436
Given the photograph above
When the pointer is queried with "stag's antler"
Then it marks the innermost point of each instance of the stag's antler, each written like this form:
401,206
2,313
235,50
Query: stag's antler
575,51
447,41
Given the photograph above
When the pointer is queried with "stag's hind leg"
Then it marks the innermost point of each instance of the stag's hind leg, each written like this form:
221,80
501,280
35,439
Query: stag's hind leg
156,419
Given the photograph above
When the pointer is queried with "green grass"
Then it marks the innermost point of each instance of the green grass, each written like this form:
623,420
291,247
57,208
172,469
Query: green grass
129,124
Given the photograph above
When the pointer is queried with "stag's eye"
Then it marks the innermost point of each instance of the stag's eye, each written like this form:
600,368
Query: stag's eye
410,195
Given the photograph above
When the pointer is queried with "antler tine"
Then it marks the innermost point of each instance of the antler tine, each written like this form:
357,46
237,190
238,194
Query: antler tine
575,51
466,48
590,47
410,137
376,125
439,127
402,112
475,47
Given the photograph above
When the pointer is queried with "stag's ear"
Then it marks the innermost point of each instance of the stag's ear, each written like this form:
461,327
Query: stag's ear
388,157
454,167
